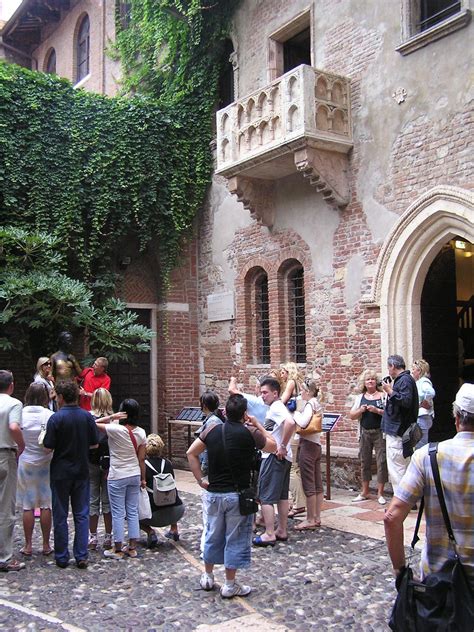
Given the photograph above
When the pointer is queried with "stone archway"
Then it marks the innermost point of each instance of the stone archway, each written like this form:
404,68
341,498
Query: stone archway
410,248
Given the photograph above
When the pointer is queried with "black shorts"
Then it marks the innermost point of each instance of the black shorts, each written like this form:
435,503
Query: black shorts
274,480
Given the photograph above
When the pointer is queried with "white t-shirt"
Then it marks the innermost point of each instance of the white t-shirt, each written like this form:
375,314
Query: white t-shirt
123,458
276,415
10,413
31,419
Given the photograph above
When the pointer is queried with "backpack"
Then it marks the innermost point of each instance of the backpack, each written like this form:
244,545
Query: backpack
164,486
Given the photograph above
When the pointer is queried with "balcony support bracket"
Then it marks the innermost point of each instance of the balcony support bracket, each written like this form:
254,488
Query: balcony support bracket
327,171
256,195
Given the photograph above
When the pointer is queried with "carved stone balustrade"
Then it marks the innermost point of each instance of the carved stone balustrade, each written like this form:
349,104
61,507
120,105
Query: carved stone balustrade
299,122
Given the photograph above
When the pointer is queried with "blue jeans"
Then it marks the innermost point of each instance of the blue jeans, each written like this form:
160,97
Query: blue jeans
425,422
123,497
78,492
228,535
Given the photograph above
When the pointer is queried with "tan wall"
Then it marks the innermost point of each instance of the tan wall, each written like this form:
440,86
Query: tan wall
104,72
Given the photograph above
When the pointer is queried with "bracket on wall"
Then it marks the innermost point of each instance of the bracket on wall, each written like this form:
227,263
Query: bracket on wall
327,171
256,195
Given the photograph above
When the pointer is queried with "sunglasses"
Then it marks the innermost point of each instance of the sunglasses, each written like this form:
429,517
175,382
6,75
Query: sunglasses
46,364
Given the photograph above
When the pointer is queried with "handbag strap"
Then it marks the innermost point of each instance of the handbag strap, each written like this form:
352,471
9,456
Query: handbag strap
134,441
232,473
433,451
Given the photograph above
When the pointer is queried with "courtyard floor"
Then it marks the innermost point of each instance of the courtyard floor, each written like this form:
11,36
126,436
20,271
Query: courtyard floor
336,578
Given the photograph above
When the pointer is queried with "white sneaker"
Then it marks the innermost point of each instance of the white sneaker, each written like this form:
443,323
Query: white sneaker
207,581
235,590
358,498
381,500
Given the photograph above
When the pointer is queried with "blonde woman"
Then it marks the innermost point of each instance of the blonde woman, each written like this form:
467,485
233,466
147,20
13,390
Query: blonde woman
99,461
161,516
368,410
33,487
44,376
289,379
309,457
420,372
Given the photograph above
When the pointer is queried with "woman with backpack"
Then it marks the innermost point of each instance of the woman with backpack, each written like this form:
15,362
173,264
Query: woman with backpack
163,513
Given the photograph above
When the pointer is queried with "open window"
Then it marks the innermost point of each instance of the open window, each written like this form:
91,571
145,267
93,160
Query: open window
290,46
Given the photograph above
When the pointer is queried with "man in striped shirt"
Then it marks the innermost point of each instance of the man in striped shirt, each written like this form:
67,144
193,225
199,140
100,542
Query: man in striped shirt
456,465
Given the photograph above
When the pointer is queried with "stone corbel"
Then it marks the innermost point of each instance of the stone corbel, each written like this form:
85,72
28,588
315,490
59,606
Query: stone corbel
327,171
257,197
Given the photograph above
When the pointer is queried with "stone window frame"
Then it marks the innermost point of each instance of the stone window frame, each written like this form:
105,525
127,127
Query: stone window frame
50,54
412,40
79,40
275,62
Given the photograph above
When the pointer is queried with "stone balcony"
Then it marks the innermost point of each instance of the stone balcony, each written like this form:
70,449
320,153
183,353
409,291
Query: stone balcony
301,122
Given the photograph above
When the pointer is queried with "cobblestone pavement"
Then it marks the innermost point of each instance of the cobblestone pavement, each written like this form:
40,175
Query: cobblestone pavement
322,580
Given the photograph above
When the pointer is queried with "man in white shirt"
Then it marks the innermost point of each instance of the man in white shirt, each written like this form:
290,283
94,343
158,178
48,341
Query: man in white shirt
11,443
274,480
256,407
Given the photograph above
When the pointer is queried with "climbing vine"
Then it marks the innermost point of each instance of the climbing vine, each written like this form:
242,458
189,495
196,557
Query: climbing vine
99,172
102,174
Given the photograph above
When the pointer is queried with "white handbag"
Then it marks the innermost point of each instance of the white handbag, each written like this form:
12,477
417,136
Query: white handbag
144,507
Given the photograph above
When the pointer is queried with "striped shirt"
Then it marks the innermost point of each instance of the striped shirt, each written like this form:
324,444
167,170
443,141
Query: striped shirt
456,465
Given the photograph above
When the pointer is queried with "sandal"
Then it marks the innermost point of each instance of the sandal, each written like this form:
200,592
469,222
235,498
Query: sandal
47,551
130,552
296,512
307,527
26,553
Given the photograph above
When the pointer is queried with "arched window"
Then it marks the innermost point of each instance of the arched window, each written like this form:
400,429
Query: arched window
50,65
262,320
83,49
296,315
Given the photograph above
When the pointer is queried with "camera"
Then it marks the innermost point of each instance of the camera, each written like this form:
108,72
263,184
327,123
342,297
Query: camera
387,379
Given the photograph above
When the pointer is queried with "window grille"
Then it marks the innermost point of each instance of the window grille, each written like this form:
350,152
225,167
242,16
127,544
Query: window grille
262,320
83,49
297,325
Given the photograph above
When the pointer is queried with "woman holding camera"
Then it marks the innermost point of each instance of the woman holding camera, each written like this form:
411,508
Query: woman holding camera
368,409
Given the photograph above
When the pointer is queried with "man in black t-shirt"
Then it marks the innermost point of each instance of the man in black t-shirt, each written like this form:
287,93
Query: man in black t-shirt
227,533
70,432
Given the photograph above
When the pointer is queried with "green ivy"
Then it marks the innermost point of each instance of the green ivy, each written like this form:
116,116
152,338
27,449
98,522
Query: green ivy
100,173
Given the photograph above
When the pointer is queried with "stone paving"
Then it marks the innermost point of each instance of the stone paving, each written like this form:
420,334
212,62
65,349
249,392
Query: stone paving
329,579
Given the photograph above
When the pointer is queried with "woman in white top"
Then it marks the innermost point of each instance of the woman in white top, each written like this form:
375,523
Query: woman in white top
126,475
33,488
421,374
43,376
309,458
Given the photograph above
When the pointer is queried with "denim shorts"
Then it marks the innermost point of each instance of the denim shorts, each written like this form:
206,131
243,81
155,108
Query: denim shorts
228,535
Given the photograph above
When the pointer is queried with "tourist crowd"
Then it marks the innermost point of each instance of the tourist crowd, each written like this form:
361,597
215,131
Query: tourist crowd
66,447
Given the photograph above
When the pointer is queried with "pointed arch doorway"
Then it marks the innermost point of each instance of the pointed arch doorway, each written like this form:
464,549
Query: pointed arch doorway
415,284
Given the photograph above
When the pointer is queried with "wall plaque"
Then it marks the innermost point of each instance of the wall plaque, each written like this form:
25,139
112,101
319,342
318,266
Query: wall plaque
220,306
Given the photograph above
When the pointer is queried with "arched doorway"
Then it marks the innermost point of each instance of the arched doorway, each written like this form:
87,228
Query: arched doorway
412,246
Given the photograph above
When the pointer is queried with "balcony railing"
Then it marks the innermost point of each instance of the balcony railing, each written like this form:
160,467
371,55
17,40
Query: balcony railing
303,108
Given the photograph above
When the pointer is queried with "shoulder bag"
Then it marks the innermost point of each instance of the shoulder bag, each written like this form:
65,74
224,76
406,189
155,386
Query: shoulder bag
444,600
315,424
248,504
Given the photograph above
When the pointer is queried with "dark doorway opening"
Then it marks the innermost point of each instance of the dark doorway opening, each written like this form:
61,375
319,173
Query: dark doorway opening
133,379
446,333
297,50
226,78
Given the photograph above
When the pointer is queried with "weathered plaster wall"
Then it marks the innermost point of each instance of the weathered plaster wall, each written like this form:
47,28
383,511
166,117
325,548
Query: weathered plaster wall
401,150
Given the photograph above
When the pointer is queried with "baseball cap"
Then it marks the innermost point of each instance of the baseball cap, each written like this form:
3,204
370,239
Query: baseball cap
465,398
